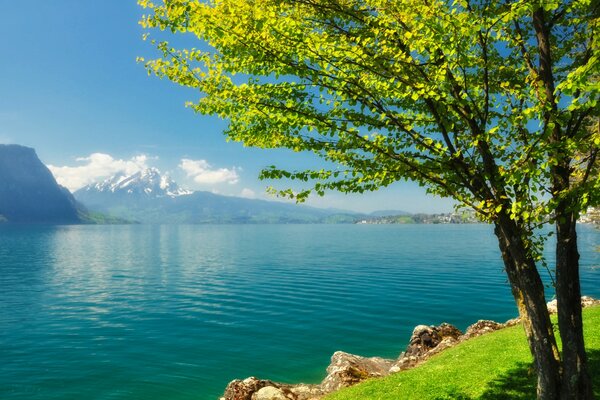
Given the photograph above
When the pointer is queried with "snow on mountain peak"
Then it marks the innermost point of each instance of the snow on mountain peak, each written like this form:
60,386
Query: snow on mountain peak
148,182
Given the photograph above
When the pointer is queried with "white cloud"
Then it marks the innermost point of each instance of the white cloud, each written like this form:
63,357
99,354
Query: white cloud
248,193
204,174
96,166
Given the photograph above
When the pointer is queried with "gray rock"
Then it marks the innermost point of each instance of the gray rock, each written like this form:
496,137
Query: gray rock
423,339
513,322
306,392
259,389
586,301
482,327
243,390
269,393
552,306
426,338
424,342
446,331
348,369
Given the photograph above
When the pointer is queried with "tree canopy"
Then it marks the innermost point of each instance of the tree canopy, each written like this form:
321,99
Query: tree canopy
494,104
449,94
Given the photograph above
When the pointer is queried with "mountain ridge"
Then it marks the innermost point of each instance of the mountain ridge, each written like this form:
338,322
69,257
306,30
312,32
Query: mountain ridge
148,181
29,193
150,197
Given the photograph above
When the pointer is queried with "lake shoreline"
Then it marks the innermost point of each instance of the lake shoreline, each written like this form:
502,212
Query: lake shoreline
347,370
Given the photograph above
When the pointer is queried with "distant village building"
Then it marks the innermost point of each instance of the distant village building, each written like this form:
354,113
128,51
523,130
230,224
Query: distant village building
591,216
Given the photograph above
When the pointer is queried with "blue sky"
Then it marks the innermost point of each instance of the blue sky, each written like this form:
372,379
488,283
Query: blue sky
71,88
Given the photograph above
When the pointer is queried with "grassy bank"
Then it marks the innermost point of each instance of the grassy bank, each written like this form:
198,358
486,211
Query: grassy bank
493,366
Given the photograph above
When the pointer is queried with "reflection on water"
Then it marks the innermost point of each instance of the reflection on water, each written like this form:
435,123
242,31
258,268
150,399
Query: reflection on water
154,312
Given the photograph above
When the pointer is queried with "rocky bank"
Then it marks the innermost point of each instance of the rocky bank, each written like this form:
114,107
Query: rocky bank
348,369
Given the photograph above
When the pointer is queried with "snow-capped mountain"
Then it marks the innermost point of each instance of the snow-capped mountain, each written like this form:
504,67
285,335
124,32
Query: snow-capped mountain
149,197
149,183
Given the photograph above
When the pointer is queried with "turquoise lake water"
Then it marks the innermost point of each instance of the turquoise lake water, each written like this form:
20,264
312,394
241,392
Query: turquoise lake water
176,312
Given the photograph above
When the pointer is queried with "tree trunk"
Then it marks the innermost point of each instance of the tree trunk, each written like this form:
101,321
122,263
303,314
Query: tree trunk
528,291
576,380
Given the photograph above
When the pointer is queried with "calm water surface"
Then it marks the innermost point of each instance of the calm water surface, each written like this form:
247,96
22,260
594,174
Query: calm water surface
175,312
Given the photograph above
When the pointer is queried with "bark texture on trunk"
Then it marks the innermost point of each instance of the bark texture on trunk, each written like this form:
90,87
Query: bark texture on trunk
576,380
528,291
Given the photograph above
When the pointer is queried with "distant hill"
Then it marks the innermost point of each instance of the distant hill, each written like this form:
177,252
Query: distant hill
463,217
28,191
388,213
149,197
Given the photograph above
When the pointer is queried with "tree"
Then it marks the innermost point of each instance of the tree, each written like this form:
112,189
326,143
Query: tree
482,101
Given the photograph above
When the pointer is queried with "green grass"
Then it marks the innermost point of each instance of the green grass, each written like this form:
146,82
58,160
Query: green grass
91,217
489,367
